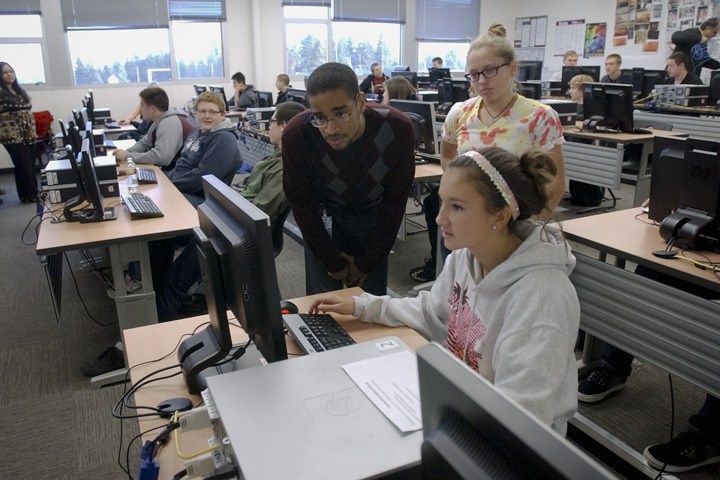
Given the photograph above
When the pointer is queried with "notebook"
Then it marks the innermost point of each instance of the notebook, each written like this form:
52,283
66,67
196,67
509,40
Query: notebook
305,418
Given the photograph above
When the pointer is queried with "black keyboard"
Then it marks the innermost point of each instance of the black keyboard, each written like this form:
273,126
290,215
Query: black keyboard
141,206
317,332
146,175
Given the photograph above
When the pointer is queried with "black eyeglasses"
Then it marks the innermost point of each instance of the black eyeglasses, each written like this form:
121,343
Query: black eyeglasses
338,118
489,72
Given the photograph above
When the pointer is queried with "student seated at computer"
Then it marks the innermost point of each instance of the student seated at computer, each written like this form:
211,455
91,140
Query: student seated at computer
576,91
437,62
264,188
678,73
398,88
374,83
245,95
613,74
570,59
282,83
210,150
164,140
503,303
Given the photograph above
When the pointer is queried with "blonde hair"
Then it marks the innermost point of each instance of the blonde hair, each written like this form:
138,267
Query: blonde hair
500,46
497,29
579,80
211,97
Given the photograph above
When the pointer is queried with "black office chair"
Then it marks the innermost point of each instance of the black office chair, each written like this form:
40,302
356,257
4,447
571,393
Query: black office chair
631,164
278,237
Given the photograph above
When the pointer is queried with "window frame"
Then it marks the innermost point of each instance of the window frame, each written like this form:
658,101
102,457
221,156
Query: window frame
31,41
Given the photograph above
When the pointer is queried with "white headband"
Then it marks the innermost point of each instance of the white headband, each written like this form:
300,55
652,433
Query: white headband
497,180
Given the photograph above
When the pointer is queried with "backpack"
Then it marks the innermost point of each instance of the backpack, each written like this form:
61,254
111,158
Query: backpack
585,195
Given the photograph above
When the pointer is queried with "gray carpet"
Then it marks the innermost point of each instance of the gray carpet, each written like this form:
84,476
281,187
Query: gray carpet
53,426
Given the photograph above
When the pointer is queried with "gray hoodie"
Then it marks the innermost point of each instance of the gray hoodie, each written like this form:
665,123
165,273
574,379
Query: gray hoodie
168,134
517,326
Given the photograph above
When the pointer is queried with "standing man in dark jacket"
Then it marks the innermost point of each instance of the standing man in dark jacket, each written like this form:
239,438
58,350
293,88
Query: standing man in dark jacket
693,43
348,166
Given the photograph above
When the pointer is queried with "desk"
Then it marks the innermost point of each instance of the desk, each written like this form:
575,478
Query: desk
598,165
126,240
151,342
705,127
670,328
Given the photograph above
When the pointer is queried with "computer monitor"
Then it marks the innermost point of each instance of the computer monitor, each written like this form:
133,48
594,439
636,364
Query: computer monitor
265,99
401,68
635,77
88,189
608,106
531,89
77,117
529,70
89,107
472,430
199,89
238,266
685,191
423,119
453,90
75,140
569,72
436,74
650,79
297,95
220,91
410,76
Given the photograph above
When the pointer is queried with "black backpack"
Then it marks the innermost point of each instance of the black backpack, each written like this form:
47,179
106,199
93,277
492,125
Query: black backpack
585,195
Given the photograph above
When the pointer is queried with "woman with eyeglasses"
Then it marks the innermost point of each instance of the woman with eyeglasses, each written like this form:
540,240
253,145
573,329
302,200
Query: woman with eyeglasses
500,117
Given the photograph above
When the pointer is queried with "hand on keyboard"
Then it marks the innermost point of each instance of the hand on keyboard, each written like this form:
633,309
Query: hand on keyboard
317,332
333,303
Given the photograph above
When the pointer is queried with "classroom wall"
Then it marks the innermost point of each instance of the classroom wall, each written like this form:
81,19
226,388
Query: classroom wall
255,42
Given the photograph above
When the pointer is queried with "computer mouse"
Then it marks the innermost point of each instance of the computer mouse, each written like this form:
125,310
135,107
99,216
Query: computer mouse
287,307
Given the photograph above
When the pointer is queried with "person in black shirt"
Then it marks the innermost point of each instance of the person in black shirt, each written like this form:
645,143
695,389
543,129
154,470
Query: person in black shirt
677,71
693,42
612,69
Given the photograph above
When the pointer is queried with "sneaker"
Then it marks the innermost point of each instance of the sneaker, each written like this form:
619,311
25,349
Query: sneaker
685,452
424,273
132,286
599,384
110,359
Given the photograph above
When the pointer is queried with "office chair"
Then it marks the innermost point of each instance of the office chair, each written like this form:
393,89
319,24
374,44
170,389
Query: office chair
631,164
278,237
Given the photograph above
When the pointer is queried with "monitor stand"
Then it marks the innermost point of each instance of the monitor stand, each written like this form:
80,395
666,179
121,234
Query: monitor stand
251,358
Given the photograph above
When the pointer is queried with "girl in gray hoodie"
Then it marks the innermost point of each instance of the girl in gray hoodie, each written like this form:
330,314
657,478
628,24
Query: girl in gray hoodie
503,302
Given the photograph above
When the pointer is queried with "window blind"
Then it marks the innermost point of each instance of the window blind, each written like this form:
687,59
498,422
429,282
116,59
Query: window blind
213,10
447,20
94,14
306,3
19,6
387,11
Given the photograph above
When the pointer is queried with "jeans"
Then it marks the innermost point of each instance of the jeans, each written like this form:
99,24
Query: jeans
350,234
179,276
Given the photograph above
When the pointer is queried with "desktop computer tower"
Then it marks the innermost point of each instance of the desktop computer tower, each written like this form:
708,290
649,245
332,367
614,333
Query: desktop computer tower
566,110
60,181
683,95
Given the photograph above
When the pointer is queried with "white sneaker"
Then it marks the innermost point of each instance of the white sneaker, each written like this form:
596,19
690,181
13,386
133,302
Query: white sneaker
132,286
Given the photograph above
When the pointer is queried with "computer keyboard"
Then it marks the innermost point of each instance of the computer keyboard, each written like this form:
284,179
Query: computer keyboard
317,332
428,157
141,206
146,175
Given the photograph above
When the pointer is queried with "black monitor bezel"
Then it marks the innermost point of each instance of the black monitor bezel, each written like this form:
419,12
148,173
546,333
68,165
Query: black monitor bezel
435,74
220,90
568,72
411,77
612,101
534,66
298,95
427,111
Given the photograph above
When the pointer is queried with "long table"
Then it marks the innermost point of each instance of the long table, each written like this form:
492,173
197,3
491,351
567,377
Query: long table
126,240
150,343
671,328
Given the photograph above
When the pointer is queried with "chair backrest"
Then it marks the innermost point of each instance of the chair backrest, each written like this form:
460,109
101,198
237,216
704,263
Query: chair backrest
278,236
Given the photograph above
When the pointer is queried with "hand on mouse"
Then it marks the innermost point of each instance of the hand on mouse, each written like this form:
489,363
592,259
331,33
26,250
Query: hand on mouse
333,303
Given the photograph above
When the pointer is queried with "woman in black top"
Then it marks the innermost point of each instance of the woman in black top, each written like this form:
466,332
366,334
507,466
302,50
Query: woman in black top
17,132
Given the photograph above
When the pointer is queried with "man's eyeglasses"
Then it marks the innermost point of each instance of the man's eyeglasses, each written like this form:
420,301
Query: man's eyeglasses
489,72
338,118
206,112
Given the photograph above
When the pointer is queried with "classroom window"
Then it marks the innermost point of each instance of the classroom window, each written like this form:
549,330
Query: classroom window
360,44
21,46
453,55
120,56
198,59
307,47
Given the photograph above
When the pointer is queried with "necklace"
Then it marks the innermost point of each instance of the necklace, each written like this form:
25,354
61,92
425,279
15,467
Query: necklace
494,117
